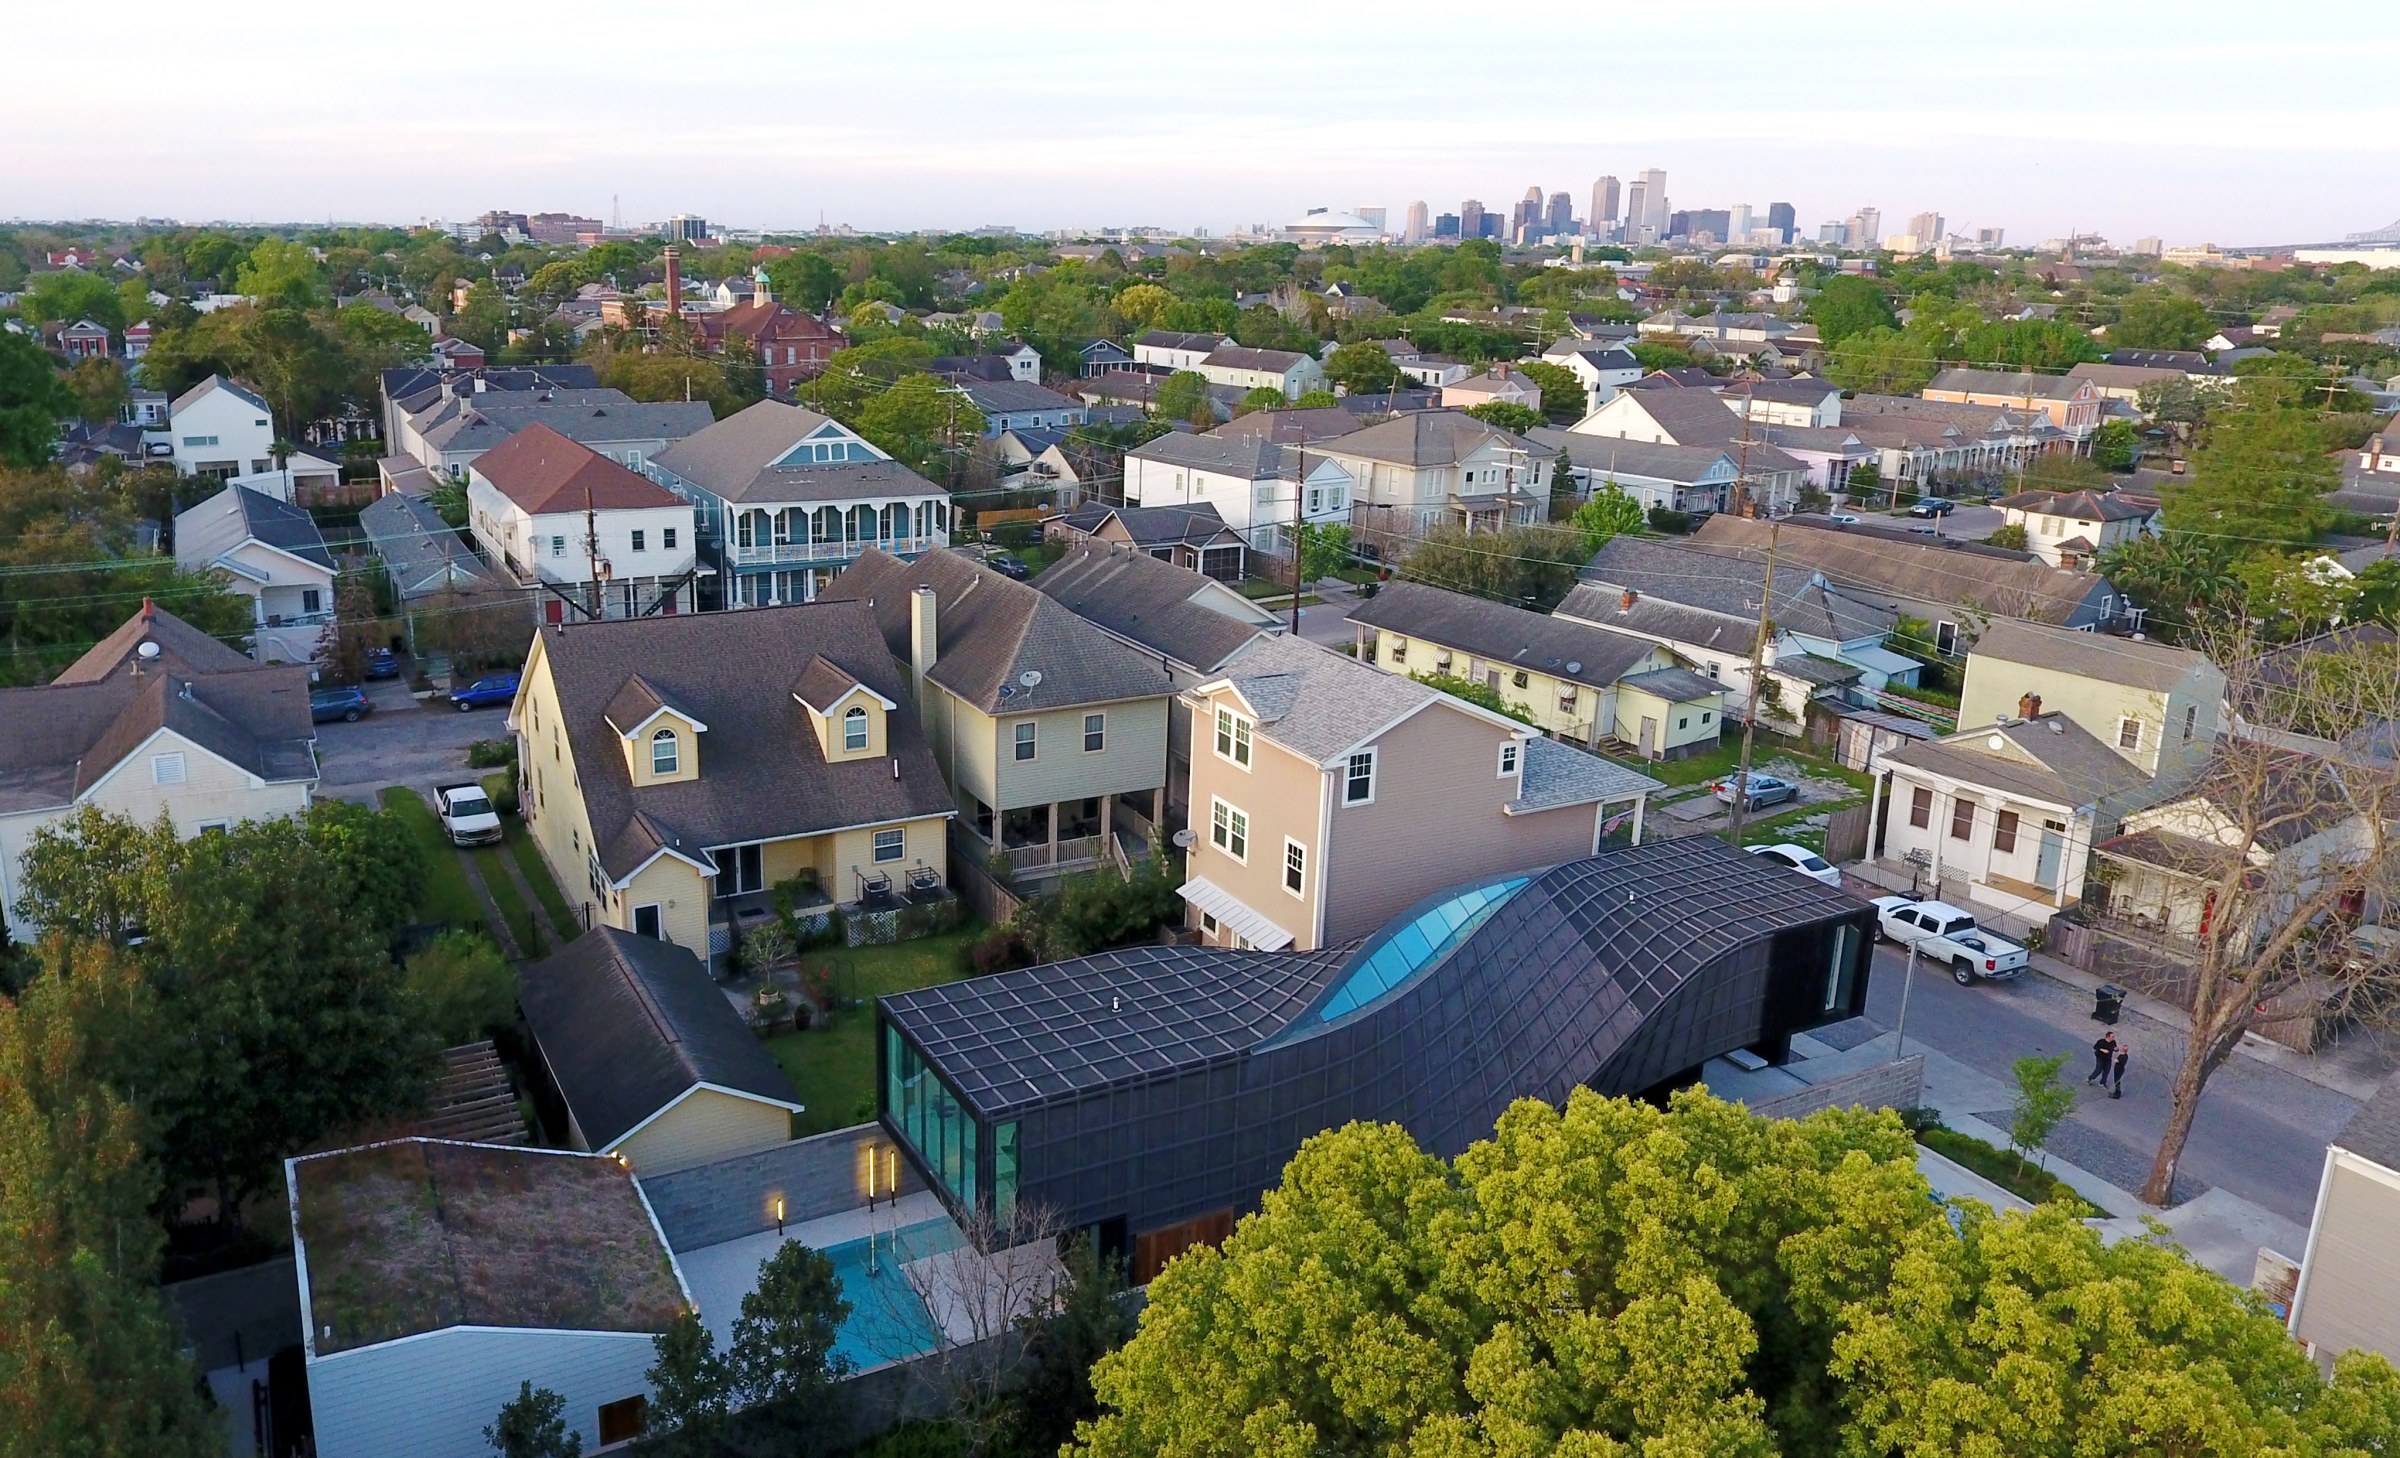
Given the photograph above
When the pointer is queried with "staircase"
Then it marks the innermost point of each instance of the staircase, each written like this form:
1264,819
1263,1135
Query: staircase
471,1099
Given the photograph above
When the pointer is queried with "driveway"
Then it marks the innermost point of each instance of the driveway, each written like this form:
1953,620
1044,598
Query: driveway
401,743
1328,622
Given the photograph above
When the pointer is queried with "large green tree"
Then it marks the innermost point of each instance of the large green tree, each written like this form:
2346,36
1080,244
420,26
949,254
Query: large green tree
1617,1279
68,295
1848,305
282,275
1183,395
2153,318
1362,368
1530,566
2258,478
33,399
921,421
282,1016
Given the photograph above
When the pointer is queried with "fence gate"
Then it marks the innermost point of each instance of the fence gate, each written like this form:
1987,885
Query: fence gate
1846,834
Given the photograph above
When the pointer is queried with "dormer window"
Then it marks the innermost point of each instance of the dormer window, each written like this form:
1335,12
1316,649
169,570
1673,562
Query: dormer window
854,730
666,752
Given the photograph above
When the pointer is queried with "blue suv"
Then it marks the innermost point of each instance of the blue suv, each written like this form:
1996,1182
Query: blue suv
492,688
347,702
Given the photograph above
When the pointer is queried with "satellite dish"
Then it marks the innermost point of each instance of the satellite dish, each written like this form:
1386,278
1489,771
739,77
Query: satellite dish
148,651
1574,665
1008,691
1185,839
1030,678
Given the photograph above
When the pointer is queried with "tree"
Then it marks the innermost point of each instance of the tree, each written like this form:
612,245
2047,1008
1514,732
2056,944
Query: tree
2115,445
2259,477
2010,535
99,387
2039,1105
1530,566
33,399
1183,395
1883,362
805,281
1324,550
1144,304
922,422
1610,513
2186,583
1475,692
1506,415
533,1424
463,988
691,1392
1317,400
2155,319
1088,1318
1265,397
1562,487
1848,305
667,377
68,295
987,1287
483,318
282,1016
281,275
1364,368
1613,1278
782,1350
94,1362
1563,396
1866,478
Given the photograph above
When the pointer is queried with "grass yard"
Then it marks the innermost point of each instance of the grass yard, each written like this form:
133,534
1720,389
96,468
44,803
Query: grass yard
528,857
833,1063
532,941
447,898
1784,828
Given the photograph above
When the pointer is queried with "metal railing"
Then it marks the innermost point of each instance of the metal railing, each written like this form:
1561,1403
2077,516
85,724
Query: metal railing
812,554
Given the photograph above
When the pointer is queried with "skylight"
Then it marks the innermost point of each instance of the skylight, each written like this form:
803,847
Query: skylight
1397,958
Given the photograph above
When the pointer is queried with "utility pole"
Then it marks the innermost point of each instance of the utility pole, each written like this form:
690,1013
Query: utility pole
1758,668
1299,529
591,549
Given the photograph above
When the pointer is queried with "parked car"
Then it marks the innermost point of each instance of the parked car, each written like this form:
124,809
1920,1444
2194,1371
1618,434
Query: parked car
492,688
382,663
1842,518
344,701
1800,858
1932,506
1008,566
1764,790
467,814
1943,933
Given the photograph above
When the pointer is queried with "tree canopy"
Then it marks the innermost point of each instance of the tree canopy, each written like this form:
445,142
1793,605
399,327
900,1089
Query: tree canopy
1616,1279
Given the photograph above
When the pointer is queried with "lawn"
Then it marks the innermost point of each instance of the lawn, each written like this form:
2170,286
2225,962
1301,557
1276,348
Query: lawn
529,860
532,941
1780,829
448,898
2008,1169
833,1064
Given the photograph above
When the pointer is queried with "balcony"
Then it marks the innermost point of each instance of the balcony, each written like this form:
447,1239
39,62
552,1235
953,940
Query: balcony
826,554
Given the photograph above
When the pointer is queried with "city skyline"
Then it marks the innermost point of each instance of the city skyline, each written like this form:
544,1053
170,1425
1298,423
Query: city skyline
372,122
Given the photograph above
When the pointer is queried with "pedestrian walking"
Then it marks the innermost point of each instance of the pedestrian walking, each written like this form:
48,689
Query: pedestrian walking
2117,1070
2104,1054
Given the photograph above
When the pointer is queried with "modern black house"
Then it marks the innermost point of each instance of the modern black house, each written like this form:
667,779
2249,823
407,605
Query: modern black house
1153,1093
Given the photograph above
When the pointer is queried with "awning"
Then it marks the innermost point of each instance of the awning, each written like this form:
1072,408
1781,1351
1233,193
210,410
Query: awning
1880,660
1234,913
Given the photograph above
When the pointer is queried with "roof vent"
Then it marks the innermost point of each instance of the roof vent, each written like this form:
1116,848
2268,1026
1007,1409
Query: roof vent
1030,678
1574,665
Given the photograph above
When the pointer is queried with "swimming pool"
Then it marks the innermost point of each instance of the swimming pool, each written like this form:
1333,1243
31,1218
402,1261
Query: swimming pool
888,1320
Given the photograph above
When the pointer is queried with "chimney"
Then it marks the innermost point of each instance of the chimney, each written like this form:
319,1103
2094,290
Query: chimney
1631,597
2029,706
674,283
924,637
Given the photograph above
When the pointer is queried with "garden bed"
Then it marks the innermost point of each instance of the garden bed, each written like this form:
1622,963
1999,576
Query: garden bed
2008,1169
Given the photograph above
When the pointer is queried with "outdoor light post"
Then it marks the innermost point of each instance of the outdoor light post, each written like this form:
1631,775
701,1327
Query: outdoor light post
1908,980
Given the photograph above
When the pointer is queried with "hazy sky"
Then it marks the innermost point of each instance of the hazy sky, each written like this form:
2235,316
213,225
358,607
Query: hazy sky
2195,121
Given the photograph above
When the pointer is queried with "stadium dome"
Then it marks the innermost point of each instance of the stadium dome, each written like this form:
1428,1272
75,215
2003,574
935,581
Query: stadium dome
1320,226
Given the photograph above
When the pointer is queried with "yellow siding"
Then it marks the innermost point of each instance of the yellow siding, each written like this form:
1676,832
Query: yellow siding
1589,718
706,1126
553,797
1679,724
829,727
681,894
687,751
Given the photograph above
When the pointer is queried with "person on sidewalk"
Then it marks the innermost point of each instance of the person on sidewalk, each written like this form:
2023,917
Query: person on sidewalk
2104,1053
2117,1068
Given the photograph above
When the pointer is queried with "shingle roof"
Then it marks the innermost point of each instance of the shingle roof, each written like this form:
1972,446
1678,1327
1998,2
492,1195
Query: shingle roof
2136,663
1556,774
237,514
2021,385
2049,758
1236,357
994,635
1425,438
724,456
1157,604
2127,376
628,1024
211,385
1677,685
1010,397
480,422
1499,633
1945,571
2078,505
420,551
1173,339
543,471
1253,457
1289,426
1318,703
1723,586
1699,417
763,775
1153,526
1611,456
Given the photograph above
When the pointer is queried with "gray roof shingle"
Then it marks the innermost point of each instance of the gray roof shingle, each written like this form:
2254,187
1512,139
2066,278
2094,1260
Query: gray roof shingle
1157,604
238,514
1321,704
1499,633
2007,583
1726,587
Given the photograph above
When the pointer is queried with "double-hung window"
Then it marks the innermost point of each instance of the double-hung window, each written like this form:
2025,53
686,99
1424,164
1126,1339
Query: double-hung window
1229,831
854,730
1358,779
1026,743
890,845
1920,807
1508,759
1295,867
1095,733
2129,734
639,537
1233,737
1962,819
665,752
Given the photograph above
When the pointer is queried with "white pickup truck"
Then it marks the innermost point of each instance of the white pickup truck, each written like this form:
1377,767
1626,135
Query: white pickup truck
1943,933
467,814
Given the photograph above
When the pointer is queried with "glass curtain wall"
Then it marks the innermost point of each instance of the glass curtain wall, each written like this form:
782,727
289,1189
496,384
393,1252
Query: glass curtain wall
935,1123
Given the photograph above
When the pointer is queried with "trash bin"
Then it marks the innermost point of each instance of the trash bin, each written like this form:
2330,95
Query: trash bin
2108,1000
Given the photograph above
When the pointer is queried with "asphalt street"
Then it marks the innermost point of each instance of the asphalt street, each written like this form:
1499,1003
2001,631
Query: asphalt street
401,743
2260,1133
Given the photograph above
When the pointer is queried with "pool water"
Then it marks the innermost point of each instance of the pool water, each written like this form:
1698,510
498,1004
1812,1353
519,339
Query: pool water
888,1320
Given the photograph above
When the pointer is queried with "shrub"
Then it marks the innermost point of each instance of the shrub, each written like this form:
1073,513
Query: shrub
463,987
999,950
492,753
1670,522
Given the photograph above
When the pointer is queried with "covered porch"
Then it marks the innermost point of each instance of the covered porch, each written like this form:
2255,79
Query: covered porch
1064,836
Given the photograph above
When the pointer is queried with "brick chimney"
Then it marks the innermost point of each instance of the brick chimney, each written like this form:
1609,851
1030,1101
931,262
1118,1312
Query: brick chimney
1631,597
2029,706
674,283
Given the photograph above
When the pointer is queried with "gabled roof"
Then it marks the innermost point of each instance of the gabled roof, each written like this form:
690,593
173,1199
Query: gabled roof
1700,418
2078,505
1291,426
1501,634
723,457
1186,340
1010,397
825,683
2017,384
469,422
763,775
1252,457
1197,525
1272,361
1159,605
1608,455
1320,704
238,514
1000,645
542,472
2050,758
1987,578
420,551
1426,438
210,386
629,1024
2190,361
1726,588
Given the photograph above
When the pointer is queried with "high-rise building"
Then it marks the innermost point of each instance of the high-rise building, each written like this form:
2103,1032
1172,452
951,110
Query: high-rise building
1526,220
1783,218
1833,231
1926,228
1679,224
1990,238
1446,226
1737,223
1864,229
1604,205
1414,231
1561,220
1717,223
1637,209
1370,215
686,228
1470,219
1654,202
2150,247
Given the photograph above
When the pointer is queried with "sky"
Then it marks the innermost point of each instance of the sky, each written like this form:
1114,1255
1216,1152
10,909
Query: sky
2193,121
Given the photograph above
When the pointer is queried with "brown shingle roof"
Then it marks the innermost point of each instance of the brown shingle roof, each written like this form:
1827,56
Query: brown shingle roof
543,471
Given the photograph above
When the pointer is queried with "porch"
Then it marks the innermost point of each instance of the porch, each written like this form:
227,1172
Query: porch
1063,836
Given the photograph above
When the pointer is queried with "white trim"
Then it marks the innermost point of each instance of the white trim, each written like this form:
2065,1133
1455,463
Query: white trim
634,730
1290,845
139,752
1374,754
1233,736
850,692
618,1143
2365,1168
1219,802
626,880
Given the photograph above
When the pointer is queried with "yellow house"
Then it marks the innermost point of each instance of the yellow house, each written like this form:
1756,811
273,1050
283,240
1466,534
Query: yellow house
1570,678
156,719
674,769
649,1057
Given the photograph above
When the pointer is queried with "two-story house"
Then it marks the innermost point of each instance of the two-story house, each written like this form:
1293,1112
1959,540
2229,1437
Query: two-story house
1415,472
459,423
1240,368
1192,624
1700,417
1579,683
1257,486
1318,779
1171,349
1041,723
2070,528
1667,477
1499,385
787,345
596,540
783,498
2160,706
2072,404
674,770
1013,404
271,553
220,429
1603,367
156,719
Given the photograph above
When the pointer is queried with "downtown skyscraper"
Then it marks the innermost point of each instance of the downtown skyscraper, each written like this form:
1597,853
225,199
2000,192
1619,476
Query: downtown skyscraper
1604,205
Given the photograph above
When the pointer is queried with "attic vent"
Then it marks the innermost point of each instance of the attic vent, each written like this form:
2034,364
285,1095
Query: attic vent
1030,678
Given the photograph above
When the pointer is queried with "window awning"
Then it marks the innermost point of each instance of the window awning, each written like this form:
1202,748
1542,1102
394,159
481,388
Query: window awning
1234,913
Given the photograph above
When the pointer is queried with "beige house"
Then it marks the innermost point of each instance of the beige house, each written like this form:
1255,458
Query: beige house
1421,470
1327,797
1047,730
156,719
1232,365
2158,706
1498,385
2070,528
649,1057
677,768
1577,682
2072,404
2348,1295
